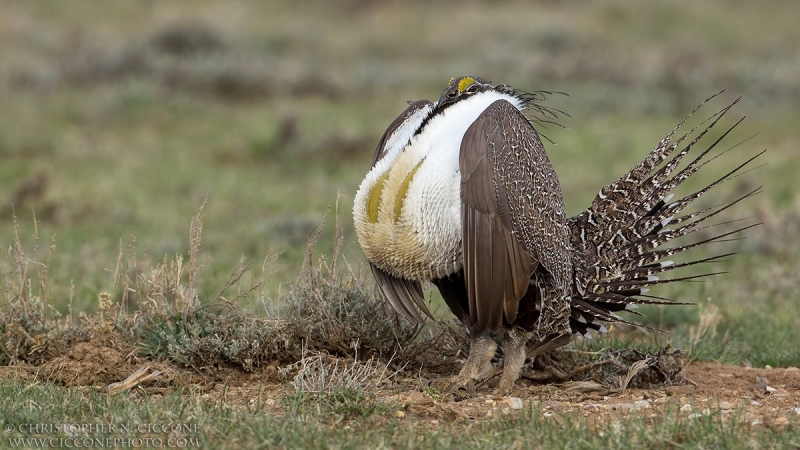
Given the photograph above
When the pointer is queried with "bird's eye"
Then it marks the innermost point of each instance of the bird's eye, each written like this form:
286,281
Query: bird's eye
472,89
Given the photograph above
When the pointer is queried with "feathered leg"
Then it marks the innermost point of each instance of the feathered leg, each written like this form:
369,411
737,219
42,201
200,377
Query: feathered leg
504,387
481,351
514,348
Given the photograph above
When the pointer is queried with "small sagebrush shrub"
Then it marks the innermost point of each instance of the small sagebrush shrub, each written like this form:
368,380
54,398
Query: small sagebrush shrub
172,323
202,337
339,313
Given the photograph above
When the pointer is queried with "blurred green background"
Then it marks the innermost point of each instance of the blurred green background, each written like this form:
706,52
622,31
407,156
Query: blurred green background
118,118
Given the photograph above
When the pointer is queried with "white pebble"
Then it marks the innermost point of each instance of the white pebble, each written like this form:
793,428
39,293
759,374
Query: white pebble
686,407
514,402
641,404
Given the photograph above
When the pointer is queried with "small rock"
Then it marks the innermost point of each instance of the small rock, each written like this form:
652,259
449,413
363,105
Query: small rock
755,403
400,414
679,390
768,367
686,407
780,421
792,369
797,411
694,415
754,419
434,422
726,405
623,406
641,404
726,375
770,389
552,404
514,402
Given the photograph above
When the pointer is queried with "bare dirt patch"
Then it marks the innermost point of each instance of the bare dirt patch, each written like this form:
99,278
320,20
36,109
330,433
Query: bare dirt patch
768,397
758,397
86,364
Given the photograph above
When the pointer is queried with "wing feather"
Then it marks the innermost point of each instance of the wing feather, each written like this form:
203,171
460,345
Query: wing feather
512,214
413,108
402,294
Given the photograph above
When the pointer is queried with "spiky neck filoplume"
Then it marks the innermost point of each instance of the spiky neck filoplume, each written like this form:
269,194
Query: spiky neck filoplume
462,88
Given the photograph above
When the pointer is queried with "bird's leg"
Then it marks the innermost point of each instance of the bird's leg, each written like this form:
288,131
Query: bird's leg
481,351
514,354
548,344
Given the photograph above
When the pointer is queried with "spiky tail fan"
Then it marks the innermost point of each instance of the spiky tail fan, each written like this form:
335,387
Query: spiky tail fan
617,242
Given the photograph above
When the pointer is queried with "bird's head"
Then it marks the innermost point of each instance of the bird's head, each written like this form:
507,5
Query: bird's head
460,88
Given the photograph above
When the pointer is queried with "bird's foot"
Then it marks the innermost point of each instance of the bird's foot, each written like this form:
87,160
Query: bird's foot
460,382
503,389
459,385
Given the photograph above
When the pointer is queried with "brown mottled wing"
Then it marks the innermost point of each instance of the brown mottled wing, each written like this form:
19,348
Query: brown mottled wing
512,214
413,107
402,294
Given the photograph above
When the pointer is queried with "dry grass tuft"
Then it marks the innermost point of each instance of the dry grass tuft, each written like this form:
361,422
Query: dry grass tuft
319,372
29,326
619,369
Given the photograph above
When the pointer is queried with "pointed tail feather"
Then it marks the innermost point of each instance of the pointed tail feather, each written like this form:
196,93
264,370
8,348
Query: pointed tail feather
617,242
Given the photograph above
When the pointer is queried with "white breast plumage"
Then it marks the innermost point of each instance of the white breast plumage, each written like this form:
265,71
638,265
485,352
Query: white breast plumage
407,211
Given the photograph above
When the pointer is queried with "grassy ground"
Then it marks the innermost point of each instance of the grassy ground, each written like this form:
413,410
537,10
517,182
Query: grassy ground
224,426
119,119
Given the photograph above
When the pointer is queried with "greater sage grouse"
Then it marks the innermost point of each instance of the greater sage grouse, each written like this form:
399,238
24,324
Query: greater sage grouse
462,194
